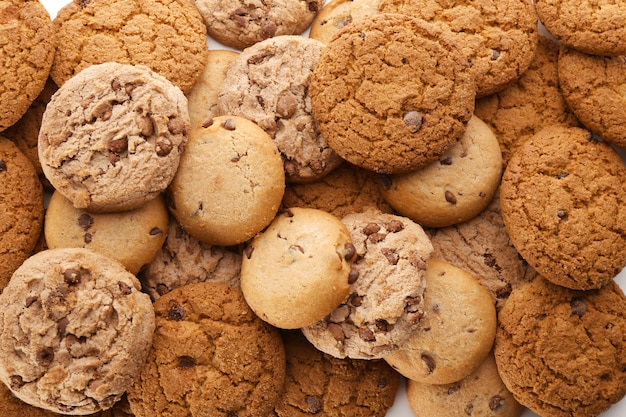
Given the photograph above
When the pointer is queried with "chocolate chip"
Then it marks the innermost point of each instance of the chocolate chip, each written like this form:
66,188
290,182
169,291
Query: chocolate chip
391,255
469,409
340,314
356,300
371,228
314,404
16,382
429,361
162,289
491,261
561,214
62,325
454,387
45,356
383,326
495,54
350,251
116,85
176,126
562,175
578,307
87,238
113,158
353,275
377,237
366,334
496,402
176,312
268,29
145,125
186,362
450,198
85,221
118,146
394,226
129,88
229,124
417,261
3,165
208,123
413,304
504,292
286,105
413,119
336,332
163,146
30,300
446,160
125,289
313,6
155,231
239,16
72,276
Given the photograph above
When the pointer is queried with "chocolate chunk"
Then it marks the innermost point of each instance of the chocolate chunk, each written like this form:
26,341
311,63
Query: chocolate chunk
413,119
268,29
45,356
413,304
208,123
313,6
16,382
145,125
118,146
469,409
87,238
561,214
336,331
176,312
454,387
339,314
371,228
391,255
186,362
496,402
85,221
450,198
3,165
163,146
578,307
366,334
356,300
562,175
350,251
125,289
314,404
176,126
429,361
155,231
495,54
353,275
376,237
229,124
286,106
30,300
115,84
72,276
394,226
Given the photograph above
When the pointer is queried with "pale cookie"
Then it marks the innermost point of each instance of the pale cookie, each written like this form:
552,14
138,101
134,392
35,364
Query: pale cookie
131,237
563,201
387,283
391,93
28,42
242,23
298,269
75,331
241,192
457,330
453,189
167,36
269,84
112,136
337,14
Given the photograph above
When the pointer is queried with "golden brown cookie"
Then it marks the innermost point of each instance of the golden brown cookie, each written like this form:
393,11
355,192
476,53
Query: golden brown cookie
210,353
166,35
563,201
337,14
562,352
391,93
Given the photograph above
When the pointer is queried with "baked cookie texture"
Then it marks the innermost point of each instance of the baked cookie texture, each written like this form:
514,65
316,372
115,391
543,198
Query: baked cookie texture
28,47
240,23
167,36
117,143
211,355
75,331
392,93
337,14
562,199
560,351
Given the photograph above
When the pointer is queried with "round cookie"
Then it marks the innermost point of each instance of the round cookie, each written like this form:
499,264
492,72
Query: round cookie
202,99
75,331
563,201
561,352
117,144
453,189
481,393
269,84
529,104
28,47
391,93
211,355
167,36
320,384
337,14
21,209
498,40
131,237
591,26
456,333
298,269
385,304
184,260
592,86
346,189
240,24
241,192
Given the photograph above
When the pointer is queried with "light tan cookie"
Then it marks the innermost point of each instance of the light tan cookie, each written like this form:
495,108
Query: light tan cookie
391,93
337,14
269,84
202,98
298,269
453,189
481,393
387,283
211,356
117,144
75,331
28,46
240,23
183,260
167,36
241,192
456,333
131,237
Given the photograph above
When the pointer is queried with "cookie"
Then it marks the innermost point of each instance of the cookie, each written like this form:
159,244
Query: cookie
269,84
453,189
298,269
211,355
241,192
529,104
167,36
593,27
481,393
21,209
346,189
183,260
590,83
131,237
202,98
391,93
456,333
337,14
320,384
240,24
385,302
75,331
28,46
117,144
498,42
561,352
562,199
482,247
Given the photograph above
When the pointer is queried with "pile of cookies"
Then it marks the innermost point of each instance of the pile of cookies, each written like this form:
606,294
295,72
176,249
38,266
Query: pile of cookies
412,190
